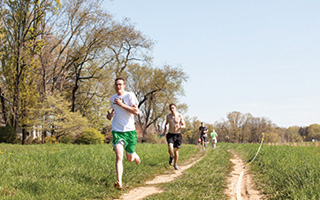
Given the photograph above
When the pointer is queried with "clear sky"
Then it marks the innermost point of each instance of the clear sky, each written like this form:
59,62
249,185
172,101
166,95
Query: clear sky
253,56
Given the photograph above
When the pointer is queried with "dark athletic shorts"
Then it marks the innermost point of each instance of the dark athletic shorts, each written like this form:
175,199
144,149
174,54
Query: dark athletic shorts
203,138
175,139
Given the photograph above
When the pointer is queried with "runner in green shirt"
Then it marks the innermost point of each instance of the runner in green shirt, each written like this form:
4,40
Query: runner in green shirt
214,136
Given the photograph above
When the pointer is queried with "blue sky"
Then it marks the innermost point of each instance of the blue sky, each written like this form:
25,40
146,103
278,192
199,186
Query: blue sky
253,56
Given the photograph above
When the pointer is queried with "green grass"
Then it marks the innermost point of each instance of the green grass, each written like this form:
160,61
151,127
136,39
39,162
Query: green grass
285,172
75,171
88,171
205,180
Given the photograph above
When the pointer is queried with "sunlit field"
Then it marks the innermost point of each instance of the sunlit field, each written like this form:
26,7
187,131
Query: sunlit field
75,171
88,172
206,180
285,171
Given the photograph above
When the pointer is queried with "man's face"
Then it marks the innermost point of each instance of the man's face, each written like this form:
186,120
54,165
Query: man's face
172,108
119,86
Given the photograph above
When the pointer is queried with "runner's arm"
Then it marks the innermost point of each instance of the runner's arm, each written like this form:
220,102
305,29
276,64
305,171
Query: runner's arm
182,124
131,109
205,130
110,114
165,126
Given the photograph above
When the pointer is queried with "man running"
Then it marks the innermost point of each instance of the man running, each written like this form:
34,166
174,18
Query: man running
203,135
124,136
214,136
174,137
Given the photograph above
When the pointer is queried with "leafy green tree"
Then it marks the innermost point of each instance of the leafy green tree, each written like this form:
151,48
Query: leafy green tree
86,49
272,137
155,89
313,132
21,42
190,134
90,136
53,115
292,134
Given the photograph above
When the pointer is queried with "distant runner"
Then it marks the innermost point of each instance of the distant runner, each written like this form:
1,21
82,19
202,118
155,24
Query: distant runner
124,136
174,137
203,135
214,136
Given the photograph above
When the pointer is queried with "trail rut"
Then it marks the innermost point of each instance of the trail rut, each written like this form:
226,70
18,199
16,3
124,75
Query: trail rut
151,186
247,189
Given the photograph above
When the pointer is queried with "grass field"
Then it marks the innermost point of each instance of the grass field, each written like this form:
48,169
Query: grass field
284,171
205,180
88,172
75,171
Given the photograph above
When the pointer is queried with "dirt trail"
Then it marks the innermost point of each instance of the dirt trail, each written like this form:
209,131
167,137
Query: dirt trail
248,190
151,186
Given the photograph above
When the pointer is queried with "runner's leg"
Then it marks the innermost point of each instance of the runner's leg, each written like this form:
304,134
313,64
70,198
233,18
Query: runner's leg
133,157
176,155
202,142
118,149
170,149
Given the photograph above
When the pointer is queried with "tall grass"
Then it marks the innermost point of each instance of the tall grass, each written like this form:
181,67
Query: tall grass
285,172
205,180
88,171
75,171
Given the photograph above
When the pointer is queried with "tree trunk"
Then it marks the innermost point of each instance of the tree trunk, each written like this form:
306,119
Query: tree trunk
4,109
24,135
43,136
16,97
75,88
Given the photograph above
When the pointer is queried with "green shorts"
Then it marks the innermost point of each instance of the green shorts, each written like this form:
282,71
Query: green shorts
129,139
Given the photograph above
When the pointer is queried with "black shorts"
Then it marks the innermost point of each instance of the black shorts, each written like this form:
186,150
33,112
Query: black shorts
175,139
203,138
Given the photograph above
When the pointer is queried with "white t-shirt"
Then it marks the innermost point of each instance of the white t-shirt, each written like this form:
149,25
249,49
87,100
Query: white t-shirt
123,120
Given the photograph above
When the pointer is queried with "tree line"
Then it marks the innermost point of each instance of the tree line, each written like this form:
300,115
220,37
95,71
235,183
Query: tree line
58,63
245,128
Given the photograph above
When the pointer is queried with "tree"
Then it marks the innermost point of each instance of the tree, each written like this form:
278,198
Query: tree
245,128
191,132
129,46
21,43
85,50
292,134
155,89
234,124
53,115
313,132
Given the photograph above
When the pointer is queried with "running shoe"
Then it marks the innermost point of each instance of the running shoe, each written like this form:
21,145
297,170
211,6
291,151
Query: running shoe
170,161
176,167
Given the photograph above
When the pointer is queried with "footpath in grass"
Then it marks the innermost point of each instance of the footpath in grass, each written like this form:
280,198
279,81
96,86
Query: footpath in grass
284,171
205,180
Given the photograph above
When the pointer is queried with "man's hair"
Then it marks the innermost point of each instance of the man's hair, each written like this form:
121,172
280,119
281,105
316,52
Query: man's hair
172,104
119,78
